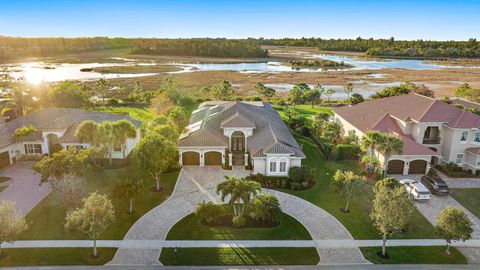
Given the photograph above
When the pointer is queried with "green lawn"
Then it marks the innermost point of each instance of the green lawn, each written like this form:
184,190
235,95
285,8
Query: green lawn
357,221
190,228
469,197
414,255
46,220
141,113
240,256
307,111
55,256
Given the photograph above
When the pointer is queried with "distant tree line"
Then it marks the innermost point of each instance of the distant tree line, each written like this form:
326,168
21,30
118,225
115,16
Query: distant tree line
386,47
201,47
17,47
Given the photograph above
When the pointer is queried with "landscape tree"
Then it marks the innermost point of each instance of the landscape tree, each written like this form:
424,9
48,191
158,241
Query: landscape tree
467,92
68,94
264,91
24,131
102,87
391,212
12,223
330,132
240,193
319,121
321,90
180,116
396,90
296,95
329,92
312,96
265,207
129,189
356,98
453,224
154,154
423,90
346,183
348,89
387,182
369,142
93,218
137,91
221,91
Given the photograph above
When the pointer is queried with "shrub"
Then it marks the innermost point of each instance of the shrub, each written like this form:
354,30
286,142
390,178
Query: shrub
238,221
207,212
112,101
29,157
348,151
296,174
296,185
301,177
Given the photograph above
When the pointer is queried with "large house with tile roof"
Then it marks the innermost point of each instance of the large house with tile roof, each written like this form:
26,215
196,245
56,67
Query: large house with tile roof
55,126
433,132
234,133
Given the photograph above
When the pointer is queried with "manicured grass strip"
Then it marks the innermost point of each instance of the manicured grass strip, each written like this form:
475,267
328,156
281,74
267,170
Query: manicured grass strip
191,228
307,111
47,219
55,256
468,197
415,255
240,256
357,221
138,112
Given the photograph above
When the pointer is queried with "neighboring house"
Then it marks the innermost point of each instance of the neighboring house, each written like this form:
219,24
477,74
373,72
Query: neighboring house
239,134
432,131
54,126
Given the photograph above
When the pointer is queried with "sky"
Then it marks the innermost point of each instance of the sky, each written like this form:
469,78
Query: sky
406,19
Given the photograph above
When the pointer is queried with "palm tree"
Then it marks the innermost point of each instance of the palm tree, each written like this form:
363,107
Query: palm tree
19,99
87,132
391,144
370,141
123,130
265,207
240,191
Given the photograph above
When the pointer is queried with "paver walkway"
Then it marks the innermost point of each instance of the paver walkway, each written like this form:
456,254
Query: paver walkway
196,184
158,244
460,182
24,189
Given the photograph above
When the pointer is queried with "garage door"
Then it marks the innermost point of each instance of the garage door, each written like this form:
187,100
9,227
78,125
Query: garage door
213,158
395,167
417,167
191,158
4,159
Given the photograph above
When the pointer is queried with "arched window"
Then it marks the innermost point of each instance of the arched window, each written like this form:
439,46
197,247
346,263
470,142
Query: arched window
283,164
273,165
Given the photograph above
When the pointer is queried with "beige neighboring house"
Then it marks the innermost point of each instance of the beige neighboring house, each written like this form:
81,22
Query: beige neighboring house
54,126
432,131
239,134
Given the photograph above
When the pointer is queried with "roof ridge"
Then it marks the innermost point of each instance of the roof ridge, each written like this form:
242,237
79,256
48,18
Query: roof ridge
273,133
428,109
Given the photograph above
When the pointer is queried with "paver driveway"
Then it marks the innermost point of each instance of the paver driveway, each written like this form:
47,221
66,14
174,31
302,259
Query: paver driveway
24,189
196,184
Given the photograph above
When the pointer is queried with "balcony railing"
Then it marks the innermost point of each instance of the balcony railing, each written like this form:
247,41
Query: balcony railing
431,141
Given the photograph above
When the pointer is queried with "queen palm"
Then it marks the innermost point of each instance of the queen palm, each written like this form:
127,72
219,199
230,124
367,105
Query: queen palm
123,130
391,144
240,192
370,141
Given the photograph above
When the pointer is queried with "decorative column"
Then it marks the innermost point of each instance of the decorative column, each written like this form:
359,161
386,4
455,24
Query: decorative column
202,159
428,167
230,157
223,158
406,167
45,146
180,159
246,159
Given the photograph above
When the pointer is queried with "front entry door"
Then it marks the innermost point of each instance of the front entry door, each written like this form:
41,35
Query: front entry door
237,144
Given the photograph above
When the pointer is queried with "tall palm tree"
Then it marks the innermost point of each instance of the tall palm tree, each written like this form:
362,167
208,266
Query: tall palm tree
18,96
240,192
370,141
391,144
123,130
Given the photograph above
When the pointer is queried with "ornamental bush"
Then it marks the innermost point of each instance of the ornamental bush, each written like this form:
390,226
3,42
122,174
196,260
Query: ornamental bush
348,151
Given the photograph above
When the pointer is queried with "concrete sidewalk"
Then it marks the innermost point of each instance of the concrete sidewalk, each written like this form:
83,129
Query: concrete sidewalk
157,244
